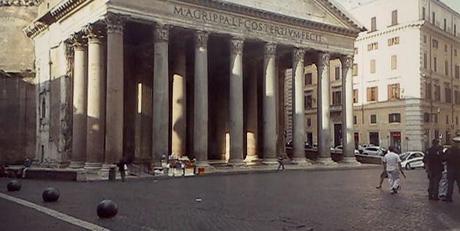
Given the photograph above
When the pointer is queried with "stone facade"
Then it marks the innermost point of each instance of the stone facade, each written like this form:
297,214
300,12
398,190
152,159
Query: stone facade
197,78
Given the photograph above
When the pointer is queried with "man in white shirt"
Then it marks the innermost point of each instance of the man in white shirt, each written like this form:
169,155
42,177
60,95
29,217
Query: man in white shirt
393,167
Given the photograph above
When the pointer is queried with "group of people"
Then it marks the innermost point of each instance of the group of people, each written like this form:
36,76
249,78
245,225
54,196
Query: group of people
442,168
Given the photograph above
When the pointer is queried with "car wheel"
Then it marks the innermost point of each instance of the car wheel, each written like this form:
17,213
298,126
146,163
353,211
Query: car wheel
408,167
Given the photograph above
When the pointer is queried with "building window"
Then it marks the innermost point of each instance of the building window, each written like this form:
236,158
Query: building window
435,119
457,97
372,94
445,48
448,94
372,66
355,119
373,24
394,17
428,91
445,24
43,111
455,52
355,95
435,43
336,98
423,13
394,62
373,119
447,119
355,69
424,39
393,91
446,67
435,64
393,41
433,19
308,79
455,30
337,73
426,117
308,102
457,71
425,61
394,118
372,46
456,120
308,122
437,93
356,51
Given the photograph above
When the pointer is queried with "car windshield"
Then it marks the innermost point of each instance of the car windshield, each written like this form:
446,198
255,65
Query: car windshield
404,156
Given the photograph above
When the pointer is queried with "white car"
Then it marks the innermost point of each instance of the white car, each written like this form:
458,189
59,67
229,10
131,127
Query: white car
339,149
374,151
411,160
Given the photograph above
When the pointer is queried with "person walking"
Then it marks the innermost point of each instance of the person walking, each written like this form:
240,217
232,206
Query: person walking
280,163
433,167
393,168
121,167
453,168
384,174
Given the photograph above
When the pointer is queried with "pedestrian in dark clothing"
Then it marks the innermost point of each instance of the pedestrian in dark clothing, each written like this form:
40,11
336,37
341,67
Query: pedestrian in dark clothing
121,167
280,163
433,168
453,168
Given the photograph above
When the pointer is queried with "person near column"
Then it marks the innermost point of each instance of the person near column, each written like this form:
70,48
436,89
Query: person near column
280,163
433,168
393,167
453,168
383,175
122,168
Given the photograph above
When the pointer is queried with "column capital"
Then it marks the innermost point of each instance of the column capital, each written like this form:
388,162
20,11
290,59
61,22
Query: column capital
323,60
201,39
115,22
77,40
236,45
346,60
161,33
270,49
94,32
298,54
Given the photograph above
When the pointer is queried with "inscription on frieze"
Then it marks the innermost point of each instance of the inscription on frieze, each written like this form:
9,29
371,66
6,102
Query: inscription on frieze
246,24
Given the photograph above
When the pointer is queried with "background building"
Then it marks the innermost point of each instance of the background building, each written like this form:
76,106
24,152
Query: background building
407,73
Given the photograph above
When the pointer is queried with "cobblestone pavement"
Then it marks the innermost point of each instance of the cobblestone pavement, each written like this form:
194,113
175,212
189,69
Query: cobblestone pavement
290,200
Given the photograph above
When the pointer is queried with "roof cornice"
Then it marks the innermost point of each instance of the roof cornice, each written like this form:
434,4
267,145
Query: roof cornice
23,3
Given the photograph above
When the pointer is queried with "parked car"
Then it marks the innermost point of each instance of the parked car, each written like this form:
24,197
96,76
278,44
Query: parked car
374,151
339,149
411,160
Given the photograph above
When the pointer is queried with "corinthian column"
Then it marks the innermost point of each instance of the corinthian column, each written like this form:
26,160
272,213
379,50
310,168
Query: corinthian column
115,89
200,117
80,91
236,101
324,139
299,108
269,104
96,99
160,130
347,110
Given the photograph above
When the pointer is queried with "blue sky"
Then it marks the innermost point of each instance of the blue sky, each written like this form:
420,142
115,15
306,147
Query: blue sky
454,4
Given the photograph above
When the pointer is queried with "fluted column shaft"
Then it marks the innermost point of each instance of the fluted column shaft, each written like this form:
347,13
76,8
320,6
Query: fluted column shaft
299,108
200,117
324,139
80,100
269,104
347,107
160,123
115,90
236,101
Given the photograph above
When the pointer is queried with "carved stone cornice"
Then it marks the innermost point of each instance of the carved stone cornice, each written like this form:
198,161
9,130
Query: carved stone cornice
270,50
161,33
323,60
94,32
347,61
115,22
236,46
64,7
34,28
201,39
23,3
298,55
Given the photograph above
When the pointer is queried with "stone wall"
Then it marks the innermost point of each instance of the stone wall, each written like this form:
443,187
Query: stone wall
17,82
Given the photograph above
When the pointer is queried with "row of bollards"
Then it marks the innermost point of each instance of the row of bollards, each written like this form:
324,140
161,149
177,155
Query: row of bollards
105,209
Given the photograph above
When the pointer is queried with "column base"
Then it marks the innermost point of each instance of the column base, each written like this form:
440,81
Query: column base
92,167
77,164
350,160
270,161
252,160
301,161
326,161
236,162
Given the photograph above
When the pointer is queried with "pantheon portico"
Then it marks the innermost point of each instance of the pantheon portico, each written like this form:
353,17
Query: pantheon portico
201,78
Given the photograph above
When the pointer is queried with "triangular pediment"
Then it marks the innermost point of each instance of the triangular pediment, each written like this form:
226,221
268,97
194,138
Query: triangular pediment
321,11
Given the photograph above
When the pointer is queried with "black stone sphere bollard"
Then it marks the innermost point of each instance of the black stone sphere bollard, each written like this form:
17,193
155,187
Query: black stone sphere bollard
50,195
107,209
13,186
